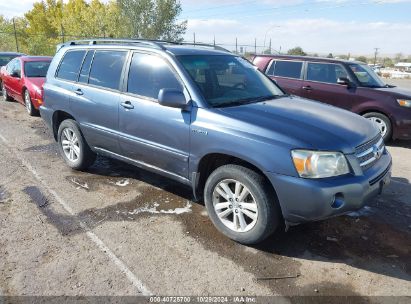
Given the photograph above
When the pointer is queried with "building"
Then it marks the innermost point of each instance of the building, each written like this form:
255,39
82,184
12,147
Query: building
403,66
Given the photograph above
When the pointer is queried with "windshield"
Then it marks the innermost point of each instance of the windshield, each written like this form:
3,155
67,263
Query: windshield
227,80
36,68
366,76
5,59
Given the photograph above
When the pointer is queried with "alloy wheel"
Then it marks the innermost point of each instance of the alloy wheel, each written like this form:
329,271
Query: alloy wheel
70,145
27,101
235,205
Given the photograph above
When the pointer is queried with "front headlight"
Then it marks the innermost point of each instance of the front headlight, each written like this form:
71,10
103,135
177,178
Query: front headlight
404,103
315,164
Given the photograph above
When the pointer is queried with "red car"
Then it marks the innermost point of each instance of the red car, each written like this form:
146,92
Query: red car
23,79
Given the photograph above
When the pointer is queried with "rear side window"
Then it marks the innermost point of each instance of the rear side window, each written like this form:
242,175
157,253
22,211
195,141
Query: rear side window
106,69
325,72
149,74
85,69
289,69
70,65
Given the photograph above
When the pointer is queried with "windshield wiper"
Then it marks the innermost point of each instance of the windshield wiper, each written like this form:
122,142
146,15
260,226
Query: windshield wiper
245,101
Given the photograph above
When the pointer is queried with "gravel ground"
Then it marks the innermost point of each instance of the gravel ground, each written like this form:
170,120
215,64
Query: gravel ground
117,230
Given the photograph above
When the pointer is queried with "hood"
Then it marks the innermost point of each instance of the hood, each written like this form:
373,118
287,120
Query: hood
306,124
396,91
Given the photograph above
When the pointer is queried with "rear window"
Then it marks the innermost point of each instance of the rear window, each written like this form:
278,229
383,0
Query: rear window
106,69
5,59
70,65
289,69
36,68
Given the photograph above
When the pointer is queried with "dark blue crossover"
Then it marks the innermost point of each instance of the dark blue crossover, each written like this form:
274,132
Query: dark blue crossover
208,118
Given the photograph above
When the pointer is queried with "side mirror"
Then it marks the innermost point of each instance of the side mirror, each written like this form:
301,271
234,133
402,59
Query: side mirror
15,74
172,98
344,81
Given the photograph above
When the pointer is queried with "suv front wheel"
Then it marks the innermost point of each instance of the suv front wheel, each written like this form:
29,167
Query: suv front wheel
73,147
241,204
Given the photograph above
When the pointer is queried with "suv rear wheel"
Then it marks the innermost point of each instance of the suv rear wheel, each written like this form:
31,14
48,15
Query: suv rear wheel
73,147
241,204
382,122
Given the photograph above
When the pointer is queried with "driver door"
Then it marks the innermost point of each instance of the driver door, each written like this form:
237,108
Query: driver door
151,134
320,84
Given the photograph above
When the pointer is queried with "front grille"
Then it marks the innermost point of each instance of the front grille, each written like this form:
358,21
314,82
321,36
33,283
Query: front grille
369,153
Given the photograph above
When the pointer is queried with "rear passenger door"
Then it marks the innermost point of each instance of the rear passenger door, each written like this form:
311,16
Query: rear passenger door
152,134
96,95
321,84
288,74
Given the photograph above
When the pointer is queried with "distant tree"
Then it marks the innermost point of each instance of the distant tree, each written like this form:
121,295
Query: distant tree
330,55
362,59
344,57
296,51
398,57
315,55
152,19
388,62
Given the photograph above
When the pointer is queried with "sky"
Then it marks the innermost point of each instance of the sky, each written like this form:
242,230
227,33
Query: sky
318,26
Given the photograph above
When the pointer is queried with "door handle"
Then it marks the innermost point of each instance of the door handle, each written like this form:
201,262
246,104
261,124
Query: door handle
127,105
307,88
78,92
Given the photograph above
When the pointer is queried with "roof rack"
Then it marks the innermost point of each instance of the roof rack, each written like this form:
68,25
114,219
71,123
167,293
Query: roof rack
216,47
150,43
158,44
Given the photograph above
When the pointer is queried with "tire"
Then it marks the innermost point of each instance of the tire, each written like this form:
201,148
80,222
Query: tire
261,202
6,97
29,105
76,152
382,122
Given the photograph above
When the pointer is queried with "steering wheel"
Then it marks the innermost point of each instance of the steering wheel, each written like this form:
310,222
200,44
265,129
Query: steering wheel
238,85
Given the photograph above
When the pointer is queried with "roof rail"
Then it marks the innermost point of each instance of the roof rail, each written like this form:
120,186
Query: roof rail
158,44
150,43
216,47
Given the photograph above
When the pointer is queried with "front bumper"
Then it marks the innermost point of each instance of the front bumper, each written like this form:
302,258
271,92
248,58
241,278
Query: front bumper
304,200
402,125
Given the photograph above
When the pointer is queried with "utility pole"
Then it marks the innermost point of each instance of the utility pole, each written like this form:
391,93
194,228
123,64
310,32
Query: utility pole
62,32
255,46
194,37
269,48
15,35
375,55
214,41
236,45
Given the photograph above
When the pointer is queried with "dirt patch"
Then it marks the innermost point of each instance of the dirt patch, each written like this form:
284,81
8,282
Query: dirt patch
51,149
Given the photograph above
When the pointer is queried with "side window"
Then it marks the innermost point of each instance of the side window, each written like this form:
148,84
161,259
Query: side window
85,69
70,65
10,66
270,71
149,74
106,69
289,69
16,68
325,72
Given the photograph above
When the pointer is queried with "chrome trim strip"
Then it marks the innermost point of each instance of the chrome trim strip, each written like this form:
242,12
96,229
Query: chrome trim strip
366,152
381,150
